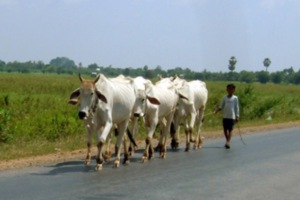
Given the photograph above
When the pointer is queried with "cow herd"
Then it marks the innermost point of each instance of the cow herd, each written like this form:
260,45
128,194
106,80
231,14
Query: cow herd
107,103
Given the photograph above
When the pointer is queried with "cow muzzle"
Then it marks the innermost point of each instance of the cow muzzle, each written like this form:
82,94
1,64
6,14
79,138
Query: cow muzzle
81,115
138,114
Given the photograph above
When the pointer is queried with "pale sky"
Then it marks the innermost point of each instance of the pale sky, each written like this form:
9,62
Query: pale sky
195,34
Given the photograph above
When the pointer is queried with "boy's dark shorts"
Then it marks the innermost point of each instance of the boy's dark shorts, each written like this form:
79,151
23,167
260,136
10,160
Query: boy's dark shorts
228,124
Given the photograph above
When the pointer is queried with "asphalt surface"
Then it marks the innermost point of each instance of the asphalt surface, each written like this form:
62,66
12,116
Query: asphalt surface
268,167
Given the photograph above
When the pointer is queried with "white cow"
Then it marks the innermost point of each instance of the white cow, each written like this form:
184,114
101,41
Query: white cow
110,102
157,104
191,110
139,86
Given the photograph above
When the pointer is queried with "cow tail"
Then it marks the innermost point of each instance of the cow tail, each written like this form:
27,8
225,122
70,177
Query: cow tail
131,138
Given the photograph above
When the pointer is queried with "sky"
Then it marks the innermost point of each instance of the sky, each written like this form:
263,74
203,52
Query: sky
195,34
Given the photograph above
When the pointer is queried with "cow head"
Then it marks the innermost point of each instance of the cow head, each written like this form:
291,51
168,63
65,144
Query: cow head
142,97
87,96
140,103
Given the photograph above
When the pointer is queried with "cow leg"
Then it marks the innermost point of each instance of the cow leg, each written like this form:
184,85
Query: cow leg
198,142
163,139
134,131
122,128
126,152
107,154
166,131
151,123
89,143
102,136
159,144
88,155
150,150
99,158
191,125
175,131
187,135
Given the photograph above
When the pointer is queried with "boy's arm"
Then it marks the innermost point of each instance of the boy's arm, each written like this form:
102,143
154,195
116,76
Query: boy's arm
220,107
237,110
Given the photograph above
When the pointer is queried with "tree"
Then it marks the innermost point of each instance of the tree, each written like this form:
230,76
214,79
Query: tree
93,66
247,77
296,77
267,63
263,76
277,77
2,65
232,63
288,75
62,62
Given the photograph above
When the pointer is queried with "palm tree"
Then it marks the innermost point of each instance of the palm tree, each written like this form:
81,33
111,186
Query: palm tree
232,63
267,63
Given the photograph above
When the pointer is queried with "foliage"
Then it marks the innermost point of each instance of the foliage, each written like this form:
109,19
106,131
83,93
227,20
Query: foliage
34,107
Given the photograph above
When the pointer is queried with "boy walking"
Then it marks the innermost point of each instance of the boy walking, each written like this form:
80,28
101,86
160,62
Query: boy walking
230,107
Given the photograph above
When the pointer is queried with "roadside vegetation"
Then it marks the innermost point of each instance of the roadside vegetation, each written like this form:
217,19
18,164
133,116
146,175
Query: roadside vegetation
36,119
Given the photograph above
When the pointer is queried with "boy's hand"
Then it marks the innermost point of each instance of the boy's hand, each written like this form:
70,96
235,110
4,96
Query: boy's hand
237,119
217,110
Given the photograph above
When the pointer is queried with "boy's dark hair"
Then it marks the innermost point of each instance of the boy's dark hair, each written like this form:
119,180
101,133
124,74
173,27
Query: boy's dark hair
231,85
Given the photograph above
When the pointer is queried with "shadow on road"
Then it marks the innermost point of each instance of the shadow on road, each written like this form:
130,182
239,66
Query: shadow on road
79,165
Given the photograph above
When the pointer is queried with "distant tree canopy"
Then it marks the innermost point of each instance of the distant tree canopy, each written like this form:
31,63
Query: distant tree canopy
267,63
232,63
63,65
62,62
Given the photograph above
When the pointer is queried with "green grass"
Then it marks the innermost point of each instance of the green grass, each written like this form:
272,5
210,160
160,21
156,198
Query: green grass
36,119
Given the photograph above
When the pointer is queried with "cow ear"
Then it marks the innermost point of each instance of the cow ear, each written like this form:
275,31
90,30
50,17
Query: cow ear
75,94
74,97
182,96
153,100
101,96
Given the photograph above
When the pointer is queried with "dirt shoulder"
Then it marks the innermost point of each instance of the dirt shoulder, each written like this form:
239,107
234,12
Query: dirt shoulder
80,154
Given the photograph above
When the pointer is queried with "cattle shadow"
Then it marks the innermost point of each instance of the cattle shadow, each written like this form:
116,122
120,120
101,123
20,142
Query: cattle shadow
213,147
65,167
79,166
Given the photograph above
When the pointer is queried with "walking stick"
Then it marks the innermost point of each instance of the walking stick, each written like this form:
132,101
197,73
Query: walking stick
240,133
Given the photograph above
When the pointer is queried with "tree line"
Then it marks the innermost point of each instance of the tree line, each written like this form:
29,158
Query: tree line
63,65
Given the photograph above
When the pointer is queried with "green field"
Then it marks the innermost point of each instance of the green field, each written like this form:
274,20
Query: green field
36,119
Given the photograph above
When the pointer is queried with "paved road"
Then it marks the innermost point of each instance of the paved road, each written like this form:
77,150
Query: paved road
268,167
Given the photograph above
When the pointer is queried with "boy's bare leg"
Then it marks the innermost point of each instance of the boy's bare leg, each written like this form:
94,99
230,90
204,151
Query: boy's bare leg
228,134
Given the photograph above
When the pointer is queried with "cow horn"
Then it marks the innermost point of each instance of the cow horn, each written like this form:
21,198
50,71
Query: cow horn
97,78
80,78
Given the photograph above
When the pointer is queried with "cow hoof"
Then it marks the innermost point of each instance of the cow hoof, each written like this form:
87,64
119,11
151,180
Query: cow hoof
163,156
98,167
88,159
116,164
187,150
157,148
87,162
174,144
144,159
126,162
107,156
